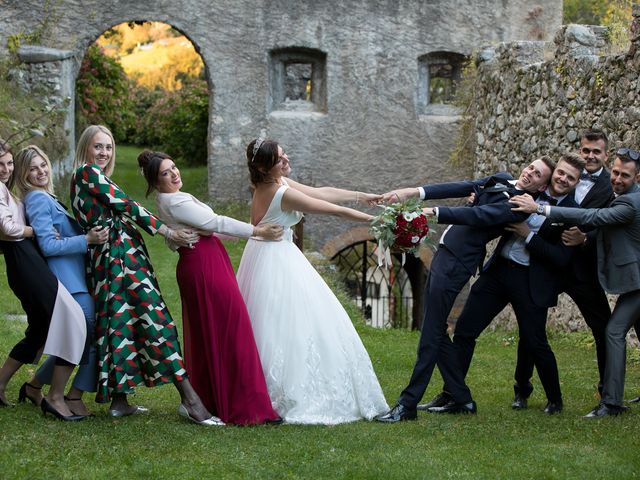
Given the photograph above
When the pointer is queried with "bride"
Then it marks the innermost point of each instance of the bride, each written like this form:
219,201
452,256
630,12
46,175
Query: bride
317,369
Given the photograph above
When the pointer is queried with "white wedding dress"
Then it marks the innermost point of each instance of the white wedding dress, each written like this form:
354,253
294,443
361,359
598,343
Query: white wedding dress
316,367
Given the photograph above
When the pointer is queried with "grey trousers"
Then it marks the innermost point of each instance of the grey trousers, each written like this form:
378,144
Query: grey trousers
626,314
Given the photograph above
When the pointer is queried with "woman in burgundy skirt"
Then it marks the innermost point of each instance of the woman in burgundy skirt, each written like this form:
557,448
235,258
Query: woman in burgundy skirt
220,351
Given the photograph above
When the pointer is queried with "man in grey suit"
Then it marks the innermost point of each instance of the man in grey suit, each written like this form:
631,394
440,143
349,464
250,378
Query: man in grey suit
618,246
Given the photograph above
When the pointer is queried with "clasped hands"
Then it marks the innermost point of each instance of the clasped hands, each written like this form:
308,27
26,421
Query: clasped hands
571,237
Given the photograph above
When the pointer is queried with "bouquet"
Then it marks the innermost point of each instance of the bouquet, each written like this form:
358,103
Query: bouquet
400,228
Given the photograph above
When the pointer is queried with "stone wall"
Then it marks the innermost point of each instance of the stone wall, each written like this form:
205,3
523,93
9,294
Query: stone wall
368,134
535,98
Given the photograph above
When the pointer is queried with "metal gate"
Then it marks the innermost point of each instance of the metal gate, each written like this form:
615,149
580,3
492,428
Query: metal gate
387,296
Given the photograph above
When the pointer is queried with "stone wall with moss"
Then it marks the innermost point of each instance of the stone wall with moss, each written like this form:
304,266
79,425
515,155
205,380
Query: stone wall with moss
534,98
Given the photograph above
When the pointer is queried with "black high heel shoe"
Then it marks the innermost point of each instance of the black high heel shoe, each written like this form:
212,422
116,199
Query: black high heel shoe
23,395
48,408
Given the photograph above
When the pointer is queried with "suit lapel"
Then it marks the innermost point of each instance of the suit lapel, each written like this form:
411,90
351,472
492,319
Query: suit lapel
599,189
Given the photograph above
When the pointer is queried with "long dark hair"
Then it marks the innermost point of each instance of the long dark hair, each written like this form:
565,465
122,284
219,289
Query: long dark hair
149,163
262,161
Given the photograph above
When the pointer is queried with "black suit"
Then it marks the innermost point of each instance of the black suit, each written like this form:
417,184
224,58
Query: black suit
582,285
529,289
461,252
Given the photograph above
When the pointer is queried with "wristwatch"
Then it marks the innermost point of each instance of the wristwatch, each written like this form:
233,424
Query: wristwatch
540,210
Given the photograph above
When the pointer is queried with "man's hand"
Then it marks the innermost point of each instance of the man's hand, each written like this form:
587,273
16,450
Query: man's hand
524,203
400,195
573,237
429,212
521,229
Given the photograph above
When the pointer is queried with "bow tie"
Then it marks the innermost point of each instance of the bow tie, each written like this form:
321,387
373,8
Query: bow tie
544,196
588,176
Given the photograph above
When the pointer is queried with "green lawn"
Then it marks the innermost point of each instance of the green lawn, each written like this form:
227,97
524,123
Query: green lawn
496,443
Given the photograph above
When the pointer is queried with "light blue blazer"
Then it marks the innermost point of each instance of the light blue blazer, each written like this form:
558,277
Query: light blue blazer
65,255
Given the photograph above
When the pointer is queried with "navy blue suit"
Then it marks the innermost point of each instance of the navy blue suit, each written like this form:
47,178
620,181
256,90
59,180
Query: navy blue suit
461,252
581,283
530,290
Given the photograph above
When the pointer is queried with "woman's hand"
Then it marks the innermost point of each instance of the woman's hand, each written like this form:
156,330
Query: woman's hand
28,232
182,237
372,199
97,235
268,231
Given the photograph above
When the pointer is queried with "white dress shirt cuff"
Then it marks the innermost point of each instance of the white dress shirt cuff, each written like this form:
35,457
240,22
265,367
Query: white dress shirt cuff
422,193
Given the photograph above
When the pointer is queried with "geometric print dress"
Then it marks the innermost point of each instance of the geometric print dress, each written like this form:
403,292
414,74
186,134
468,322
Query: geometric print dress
137,340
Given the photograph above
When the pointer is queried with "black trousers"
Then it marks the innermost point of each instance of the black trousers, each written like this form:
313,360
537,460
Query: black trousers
506,283
36,287
446,279
594,307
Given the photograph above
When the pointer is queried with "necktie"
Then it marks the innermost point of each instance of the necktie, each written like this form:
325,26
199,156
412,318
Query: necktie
588,176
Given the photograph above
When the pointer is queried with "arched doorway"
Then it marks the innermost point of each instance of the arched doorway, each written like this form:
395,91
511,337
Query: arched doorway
148,83
389,298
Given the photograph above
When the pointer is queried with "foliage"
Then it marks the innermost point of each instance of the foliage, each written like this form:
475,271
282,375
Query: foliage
153,54
23,119
177,123
462,156
51,13
102,91
615,14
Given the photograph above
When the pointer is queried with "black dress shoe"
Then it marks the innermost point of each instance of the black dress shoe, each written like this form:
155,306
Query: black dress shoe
553,407
453,407
606,410
519,402
635,400
398,413
439,400
48,408
23,395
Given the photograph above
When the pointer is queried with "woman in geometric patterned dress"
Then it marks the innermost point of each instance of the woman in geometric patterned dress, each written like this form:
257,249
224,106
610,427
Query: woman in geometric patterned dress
137,339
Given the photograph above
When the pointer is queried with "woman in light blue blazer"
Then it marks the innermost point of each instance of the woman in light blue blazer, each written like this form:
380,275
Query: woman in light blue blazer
64,245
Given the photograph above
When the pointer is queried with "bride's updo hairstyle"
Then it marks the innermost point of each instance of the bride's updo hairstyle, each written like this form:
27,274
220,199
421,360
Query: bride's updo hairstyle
149,163
261,159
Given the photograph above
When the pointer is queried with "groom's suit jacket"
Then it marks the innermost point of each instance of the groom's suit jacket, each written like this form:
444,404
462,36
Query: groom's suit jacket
547,257
473,226
618,239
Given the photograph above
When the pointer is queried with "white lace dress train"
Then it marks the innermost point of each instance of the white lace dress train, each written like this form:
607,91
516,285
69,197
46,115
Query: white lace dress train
316,367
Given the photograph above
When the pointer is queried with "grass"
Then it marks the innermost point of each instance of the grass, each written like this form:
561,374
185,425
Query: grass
496,443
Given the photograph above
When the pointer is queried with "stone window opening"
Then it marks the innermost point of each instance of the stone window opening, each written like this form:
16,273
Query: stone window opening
438,76
298,80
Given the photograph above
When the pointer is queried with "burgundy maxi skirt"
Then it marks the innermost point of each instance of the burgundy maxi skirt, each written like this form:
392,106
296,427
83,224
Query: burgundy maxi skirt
219,349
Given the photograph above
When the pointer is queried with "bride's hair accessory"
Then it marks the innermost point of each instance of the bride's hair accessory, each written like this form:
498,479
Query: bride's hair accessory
256,147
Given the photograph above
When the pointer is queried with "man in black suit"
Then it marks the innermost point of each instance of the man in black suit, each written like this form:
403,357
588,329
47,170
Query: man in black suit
462,250
523,272
580,281
618,246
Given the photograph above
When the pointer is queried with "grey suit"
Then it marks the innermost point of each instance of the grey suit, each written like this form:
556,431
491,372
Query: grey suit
619,273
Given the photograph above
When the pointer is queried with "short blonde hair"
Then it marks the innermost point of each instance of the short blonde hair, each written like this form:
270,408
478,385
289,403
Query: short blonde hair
22,166
84,144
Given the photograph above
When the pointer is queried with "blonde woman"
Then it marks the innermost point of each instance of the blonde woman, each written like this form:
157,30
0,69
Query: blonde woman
51,311
64,246
137,339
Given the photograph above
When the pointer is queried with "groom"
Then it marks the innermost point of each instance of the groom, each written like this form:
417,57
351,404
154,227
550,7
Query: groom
462,250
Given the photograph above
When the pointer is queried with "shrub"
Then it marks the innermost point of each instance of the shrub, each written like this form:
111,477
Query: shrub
102,92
